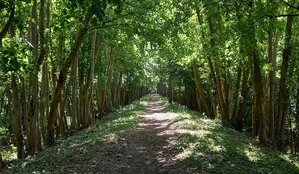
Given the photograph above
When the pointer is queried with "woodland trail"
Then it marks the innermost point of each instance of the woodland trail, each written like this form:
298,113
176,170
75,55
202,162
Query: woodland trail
152,136
147,149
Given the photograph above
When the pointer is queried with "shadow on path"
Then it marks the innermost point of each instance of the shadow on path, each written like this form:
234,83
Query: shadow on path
148,149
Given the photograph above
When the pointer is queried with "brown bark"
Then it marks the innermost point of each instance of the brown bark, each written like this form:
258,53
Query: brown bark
74,118
118,97
89,85
258,96
25,106
169,89
16,120
62,78
201,99
297,103
44,108
257,81
62,117
108,91
272,52
283,98
220,79
238,117
34,139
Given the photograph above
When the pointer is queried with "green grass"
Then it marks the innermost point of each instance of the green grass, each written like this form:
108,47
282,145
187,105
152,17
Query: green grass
203,144
212,148
82,143
8,152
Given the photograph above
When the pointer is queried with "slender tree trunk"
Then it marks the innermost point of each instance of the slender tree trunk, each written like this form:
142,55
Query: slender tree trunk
34,139
118,100
170,89
24,101
201,100
238,117
258,97
272,49
74,118
257,81
62,119
109,80
283,90
297,115
16,120
44,108
62,78
89,84
44,86
221,89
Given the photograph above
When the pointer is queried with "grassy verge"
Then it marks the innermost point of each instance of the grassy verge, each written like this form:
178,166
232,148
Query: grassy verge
83,143
211,148
200,143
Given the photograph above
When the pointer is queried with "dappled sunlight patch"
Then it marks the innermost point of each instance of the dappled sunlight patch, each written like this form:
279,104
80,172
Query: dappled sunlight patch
77,144
9,153
198,133
143,103
194,125
215,149
172,138
112,137
162,116
252,155
83,144
183,155
123,119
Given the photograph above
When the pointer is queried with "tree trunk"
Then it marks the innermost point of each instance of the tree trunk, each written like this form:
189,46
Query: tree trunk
34,139
25,113
62,78
74,118
258,96
170,90
44,108
272,49
109,80
238,117
283,90
62,119
201,99
257,81
16,120
89,84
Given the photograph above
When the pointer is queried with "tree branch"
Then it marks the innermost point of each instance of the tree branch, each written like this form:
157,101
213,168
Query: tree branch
8,23
282,15
104,23
290,5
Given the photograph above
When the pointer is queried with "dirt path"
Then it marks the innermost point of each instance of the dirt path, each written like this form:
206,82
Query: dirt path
148,149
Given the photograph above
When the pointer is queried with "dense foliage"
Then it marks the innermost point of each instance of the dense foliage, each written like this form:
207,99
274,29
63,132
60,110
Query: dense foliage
64,64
